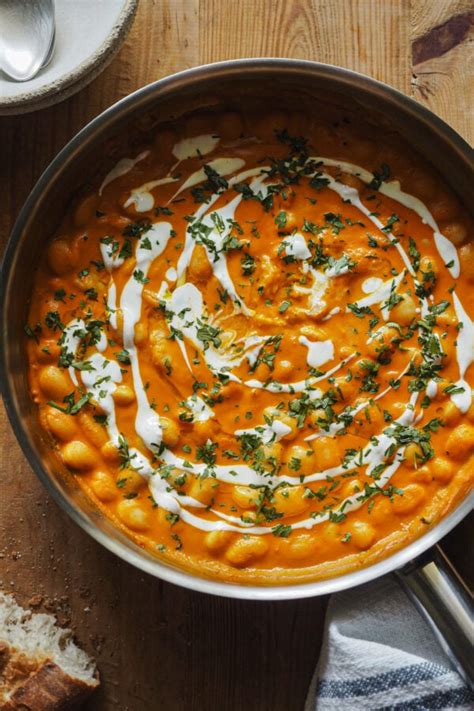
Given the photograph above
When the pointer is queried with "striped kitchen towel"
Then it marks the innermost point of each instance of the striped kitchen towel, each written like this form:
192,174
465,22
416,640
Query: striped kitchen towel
378,654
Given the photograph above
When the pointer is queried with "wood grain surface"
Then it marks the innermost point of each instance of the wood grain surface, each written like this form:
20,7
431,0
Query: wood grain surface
158,646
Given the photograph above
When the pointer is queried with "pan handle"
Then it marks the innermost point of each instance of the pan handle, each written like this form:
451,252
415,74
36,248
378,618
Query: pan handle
443,599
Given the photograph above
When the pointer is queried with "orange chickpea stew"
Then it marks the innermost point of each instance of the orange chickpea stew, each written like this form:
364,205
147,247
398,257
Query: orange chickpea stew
253,346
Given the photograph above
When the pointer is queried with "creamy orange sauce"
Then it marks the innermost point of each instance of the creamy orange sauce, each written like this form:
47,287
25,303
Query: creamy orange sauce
253,345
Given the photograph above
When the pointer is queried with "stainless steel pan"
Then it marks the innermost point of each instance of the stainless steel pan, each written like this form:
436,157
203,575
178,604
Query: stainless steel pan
422,570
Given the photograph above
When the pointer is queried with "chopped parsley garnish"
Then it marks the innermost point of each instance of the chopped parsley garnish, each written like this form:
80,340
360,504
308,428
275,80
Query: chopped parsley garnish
139,276
136,229
334,221
72,407
123,356
380,177
360,311
281,530
208,334
281,219
248,264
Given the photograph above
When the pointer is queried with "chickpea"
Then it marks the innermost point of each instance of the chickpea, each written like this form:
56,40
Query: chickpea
283,369
198,124
383,343
423,475
129,481
171,431
466,256
413,496
273,450
348,388
54,383
246,497
199,268
456,232
405,311
315,417
326,452
111,453
141,333
160,358
413,454
429,264
47,351
61,425
447,318
178,479
425,185
205,430
103,486
381,509
90,281
119,321
301,459
442,469
314,333
133,515
451,414
444,207
94,431
151,298
249,516
246,550
460,442
60,257
123,395
362,534
203,490
217,541
369,420
291,217
352,181
299,546
290,500
85,210
442,384
332,531
78,455
160,351
352,487
470,413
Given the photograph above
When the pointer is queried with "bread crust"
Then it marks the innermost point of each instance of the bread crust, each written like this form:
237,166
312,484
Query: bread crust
48,689
41,667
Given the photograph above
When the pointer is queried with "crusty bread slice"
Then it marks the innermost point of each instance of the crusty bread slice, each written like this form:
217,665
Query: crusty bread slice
41,668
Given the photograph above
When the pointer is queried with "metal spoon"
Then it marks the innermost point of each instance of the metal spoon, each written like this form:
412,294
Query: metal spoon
27,31
50,54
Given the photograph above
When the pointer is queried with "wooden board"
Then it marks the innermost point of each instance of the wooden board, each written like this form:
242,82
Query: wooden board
160,647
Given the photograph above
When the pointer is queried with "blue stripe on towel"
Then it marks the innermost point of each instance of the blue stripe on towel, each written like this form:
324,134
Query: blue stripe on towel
437,701
381,682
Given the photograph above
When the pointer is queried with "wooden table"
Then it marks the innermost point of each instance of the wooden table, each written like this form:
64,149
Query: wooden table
160,647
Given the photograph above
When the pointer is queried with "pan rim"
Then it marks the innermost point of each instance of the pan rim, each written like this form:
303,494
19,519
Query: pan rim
156,567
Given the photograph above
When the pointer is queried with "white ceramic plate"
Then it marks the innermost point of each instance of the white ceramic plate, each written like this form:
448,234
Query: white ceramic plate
88,35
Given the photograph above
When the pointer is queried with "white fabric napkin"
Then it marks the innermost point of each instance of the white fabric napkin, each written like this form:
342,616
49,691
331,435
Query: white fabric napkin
379,654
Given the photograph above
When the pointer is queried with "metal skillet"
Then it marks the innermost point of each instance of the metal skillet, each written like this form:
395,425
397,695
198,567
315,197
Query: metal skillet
420,566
